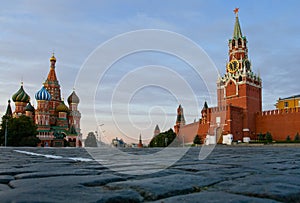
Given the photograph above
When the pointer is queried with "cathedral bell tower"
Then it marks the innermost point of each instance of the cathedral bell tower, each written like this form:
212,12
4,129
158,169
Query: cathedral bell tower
240,86
53,87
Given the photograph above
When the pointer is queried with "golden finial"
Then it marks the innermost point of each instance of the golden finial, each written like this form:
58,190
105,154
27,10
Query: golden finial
52,57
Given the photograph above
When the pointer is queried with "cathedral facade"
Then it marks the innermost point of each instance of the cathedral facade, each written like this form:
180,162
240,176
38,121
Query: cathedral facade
57,124
239,110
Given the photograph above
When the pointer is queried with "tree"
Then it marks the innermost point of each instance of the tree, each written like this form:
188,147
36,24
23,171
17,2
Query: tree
297,137
163,139
197,140
20,131
260,137
288,139
269,137
91,140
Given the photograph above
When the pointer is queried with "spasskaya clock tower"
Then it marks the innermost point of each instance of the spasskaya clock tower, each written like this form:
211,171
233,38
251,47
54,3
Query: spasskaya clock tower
239,86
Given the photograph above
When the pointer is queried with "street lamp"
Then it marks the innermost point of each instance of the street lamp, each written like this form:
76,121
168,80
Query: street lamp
6,133
102,131
96,132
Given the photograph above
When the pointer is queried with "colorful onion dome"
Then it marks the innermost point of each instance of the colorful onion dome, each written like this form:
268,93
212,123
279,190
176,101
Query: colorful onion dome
73,98
29,107
53,58
21,96
43,94
62,107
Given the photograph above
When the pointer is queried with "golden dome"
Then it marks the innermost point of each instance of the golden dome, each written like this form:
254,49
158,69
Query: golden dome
62,107
53,58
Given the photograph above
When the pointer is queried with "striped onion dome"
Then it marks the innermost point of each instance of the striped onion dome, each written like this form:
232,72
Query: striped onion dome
73,98
21,96
43,94
29,107
62,107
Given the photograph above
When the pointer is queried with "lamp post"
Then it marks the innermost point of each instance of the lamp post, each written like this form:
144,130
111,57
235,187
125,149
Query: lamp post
96,132
6,133
102,131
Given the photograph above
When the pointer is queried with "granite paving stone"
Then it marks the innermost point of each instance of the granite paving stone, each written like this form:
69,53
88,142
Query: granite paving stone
228,174
214,197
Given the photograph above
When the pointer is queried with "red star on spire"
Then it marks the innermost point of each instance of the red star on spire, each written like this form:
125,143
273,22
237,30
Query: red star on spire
236,10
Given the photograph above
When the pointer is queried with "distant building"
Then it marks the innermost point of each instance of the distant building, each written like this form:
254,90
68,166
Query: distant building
140,144
116,142
288,102
156,131
56,122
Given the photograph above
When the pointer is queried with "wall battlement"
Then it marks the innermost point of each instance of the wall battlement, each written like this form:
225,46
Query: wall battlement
279,112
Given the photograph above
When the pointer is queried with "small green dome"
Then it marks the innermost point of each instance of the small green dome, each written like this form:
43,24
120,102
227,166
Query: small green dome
62,107
21,96
29,107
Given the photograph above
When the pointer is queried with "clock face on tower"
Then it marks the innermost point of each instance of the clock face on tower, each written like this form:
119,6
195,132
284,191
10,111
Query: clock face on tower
233,66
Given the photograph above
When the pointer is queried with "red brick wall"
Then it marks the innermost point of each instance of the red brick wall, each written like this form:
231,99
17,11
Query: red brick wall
280,123
188,132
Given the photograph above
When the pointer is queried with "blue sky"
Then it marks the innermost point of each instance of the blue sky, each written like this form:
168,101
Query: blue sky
32,30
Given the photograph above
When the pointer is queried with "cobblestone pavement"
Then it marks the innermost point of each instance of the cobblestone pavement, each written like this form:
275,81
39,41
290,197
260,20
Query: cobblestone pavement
228,174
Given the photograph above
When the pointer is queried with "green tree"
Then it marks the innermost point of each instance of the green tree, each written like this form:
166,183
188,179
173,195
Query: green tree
197,140
297,137
20,132
288,139
91,140
269,137
163,139
260,137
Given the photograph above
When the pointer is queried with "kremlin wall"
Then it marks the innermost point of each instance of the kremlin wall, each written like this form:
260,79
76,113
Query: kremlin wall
239,111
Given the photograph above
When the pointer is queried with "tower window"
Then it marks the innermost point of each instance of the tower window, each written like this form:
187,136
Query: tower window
233,42
239,41
286,104
240,79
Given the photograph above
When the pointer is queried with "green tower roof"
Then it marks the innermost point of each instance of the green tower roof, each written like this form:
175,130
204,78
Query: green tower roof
237,32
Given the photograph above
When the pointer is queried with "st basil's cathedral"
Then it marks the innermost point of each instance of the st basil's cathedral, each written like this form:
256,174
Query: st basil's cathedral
56,122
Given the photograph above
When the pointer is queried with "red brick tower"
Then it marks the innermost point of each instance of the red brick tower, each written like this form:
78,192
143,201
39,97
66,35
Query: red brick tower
140,144
74,115
240,87
53,87
180,121
156,131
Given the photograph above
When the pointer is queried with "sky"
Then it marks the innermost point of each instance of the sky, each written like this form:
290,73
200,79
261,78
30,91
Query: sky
141,89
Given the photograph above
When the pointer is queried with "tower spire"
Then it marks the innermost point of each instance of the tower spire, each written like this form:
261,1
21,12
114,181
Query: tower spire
237,32
8,110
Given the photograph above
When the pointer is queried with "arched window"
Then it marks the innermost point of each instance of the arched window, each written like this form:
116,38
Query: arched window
239,41
240,79
233,43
